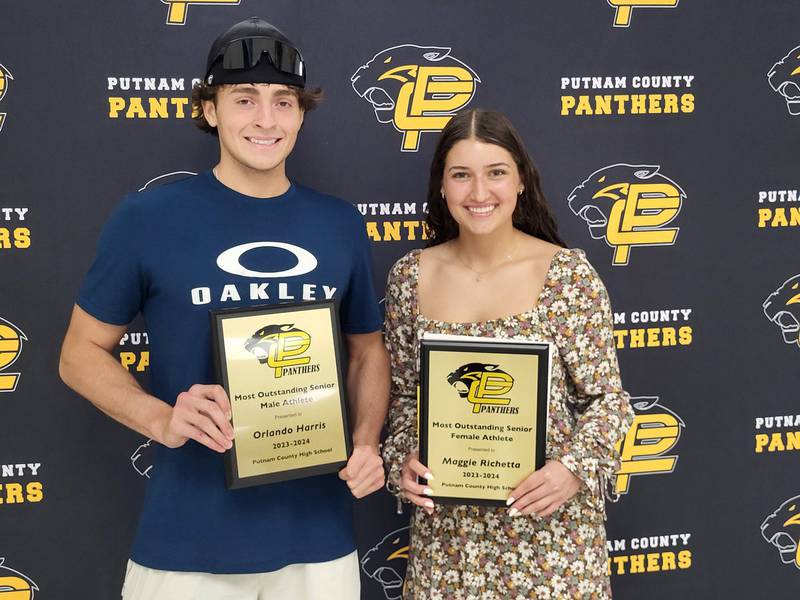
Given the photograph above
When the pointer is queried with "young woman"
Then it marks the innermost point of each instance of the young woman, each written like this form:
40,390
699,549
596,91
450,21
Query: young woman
495,266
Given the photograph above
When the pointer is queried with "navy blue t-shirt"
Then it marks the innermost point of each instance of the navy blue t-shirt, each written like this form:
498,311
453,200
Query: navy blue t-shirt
174,253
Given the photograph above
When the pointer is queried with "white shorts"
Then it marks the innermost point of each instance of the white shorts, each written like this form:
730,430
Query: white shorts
333,580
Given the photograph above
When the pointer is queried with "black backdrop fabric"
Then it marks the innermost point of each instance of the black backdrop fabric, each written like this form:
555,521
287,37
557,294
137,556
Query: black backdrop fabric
666,133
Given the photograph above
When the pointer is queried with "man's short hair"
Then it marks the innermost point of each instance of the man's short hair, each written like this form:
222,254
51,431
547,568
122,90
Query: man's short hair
309,99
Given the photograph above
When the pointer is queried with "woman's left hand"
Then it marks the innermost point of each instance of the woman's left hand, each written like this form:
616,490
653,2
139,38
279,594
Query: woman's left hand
543,491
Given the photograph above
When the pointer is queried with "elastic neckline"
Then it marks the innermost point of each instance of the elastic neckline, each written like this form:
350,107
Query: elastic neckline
239,197
530,312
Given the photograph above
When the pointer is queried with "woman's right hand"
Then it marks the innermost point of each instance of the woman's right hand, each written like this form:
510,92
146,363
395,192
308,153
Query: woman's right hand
416,493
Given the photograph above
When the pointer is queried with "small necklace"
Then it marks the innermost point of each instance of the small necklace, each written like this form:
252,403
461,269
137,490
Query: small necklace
480,274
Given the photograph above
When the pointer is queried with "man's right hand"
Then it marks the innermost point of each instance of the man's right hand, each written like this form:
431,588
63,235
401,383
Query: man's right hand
88,365
201,414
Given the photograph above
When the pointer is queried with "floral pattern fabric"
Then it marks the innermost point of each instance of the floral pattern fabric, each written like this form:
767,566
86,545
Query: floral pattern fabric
481,553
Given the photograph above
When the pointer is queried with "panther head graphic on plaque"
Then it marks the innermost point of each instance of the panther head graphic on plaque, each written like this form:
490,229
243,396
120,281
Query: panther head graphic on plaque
480,384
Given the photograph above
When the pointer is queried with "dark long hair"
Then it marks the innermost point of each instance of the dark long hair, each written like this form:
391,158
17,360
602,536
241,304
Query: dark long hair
532,214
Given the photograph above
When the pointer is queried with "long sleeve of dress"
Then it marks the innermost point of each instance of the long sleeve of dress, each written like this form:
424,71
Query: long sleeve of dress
580,317
401,342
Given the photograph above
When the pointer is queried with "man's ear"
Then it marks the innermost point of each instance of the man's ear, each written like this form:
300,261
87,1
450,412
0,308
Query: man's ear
210,112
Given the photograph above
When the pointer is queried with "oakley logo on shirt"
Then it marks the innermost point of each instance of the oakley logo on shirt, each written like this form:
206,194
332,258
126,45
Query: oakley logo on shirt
230,261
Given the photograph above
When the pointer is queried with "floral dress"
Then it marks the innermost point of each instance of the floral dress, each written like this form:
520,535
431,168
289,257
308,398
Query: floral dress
480,552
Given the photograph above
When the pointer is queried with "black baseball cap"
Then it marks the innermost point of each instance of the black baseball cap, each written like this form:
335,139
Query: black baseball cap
254,51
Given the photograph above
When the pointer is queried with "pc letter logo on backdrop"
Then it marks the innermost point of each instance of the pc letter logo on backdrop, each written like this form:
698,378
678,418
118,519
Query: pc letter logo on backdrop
784,79
643,451
176,15
628,206
11,338
415,88
622,18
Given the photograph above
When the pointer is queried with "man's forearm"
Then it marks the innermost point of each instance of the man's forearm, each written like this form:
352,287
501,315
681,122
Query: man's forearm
97,375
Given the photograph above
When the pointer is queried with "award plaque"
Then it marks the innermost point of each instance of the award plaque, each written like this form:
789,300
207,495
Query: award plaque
482,415
282,370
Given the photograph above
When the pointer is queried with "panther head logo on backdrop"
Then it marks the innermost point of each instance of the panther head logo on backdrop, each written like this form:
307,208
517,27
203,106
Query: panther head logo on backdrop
628,205
415,88
784,79
782,530
782,307
166,178
143,458
5,77
378,565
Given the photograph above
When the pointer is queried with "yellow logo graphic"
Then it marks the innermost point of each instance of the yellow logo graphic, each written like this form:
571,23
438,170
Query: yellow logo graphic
176,15
782,530
385,562
280,346
11,338
654,432
14,585
784,79
482,384
782,307
416,88
5,77
622,18
628,205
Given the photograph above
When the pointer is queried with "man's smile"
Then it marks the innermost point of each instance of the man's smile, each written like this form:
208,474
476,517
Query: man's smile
263,141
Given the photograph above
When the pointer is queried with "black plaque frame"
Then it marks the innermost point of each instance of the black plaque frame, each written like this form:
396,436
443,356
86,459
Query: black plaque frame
234,481
542,350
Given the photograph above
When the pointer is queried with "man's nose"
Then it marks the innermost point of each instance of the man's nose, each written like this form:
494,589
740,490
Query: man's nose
264,116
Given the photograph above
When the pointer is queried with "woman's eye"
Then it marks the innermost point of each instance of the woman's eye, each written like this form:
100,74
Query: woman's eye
497,172
460,175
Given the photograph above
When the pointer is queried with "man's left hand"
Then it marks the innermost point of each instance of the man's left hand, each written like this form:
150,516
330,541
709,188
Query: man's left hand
364,471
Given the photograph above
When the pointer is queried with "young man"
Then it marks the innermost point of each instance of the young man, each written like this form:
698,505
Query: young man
161,253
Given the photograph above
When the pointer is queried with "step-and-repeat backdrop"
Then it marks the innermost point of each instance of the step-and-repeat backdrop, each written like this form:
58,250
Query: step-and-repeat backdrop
667,135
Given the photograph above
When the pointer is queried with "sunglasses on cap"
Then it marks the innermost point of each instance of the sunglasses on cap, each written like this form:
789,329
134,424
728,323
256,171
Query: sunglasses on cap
246,54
